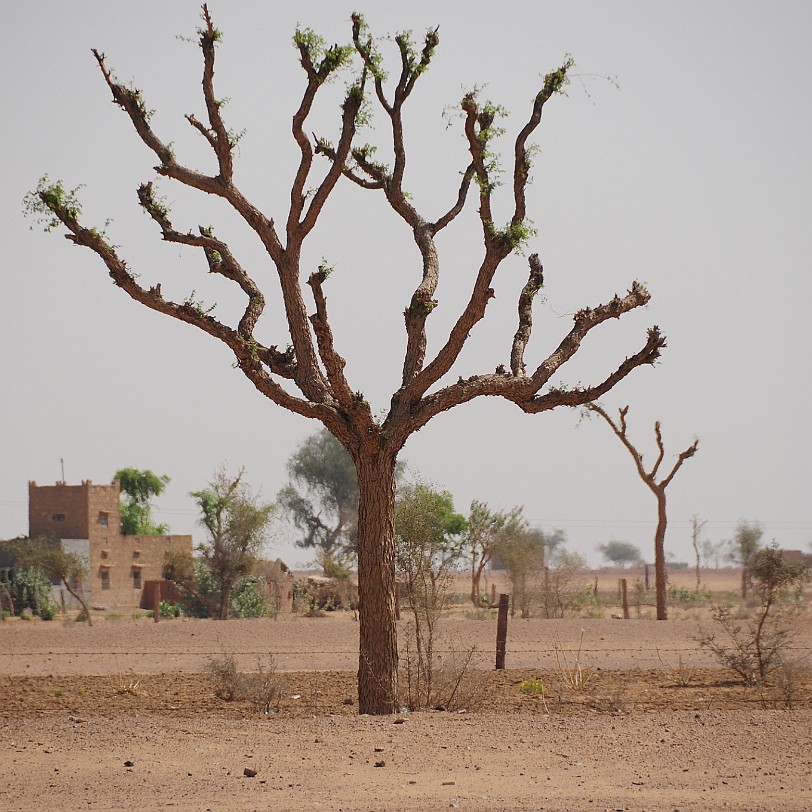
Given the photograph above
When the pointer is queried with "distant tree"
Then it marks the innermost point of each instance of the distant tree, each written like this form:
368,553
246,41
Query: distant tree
656,487
237,522
322,497
712,551
743,548
59,566
560,591
620,553
430,542
483,536
696,529
137,489
309,377
522,551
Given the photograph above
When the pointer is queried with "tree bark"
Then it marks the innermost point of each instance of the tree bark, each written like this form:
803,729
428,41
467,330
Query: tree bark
378,650
660,572
82,602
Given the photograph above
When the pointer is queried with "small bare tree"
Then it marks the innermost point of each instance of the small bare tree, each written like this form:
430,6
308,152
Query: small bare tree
657,488
309,377
754,649
61,566
429,547
696,529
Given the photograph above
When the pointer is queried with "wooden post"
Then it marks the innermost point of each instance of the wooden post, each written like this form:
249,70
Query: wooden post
501,631
397,600
645,571
625,598
156,602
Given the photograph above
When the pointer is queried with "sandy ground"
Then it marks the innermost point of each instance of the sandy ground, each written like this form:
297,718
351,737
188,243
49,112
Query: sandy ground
120,716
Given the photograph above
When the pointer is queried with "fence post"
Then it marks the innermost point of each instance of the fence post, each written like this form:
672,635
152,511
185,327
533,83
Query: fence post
625,598
501,631
156,601
645,571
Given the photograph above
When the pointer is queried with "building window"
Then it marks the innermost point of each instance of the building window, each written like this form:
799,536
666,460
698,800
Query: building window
136,579
105,579
104,519
58,517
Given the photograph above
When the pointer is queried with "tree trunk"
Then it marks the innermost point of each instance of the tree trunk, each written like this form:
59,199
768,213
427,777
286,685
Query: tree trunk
82,602
378,650
660,573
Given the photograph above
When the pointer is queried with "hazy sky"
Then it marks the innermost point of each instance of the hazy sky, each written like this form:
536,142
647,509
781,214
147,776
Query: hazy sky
691,171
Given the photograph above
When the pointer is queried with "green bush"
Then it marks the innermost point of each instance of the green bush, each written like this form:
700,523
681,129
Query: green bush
689,597
532,687
170,610
30,589
248,600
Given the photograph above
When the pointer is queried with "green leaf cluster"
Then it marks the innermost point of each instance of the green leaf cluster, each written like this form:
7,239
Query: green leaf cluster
50,196
137,489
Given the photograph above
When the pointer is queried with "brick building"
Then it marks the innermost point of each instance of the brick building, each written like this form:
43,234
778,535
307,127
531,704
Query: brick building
86,518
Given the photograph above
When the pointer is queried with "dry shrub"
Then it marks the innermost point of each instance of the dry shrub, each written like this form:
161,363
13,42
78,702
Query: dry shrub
263,687
680,674
128,686
573,675
453,683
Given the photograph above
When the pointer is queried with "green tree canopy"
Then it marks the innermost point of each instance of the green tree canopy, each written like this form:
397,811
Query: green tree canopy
137,489
237,521
620,553
485,533
321,498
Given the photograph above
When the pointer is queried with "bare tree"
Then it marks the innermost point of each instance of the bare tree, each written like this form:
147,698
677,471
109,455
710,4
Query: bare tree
657,488
308,377
696,529
61,566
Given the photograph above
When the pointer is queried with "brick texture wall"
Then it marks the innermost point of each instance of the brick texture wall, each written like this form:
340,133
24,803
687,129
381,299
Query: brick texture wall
119,565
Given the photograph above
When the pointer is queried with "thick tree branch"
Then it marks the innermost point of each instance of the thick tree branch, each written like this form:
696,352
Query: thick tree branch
250,355
218,255
649,477
685,455
451,214
533,286
504,384
133,104
553,82
351,106
584,321
579,396
658,437
333,362
223,142
620,432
